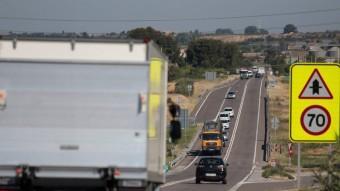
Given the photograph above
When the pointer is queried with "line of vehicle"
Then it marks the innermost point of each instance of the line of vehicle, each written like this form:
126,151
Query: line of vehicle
219,109
236,123
237,186
193,161
199,109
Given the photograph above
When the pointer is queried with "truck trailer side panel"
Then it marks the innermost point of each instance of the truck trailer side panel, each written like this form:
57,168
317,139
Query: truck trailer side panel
73,115
93,111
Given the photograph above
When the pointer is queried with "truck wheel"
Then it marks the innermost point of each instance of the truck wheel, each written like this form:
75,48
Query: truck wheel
198,181
224,181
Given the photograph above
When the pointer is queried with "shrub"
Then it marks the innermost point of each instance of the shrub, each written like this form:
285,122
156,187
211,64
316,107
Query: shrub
277,170
181,86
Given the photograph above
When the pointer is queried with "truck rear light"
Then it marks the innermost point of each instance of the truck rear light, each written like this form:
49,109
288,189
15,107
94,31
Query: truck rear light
116,172
19,171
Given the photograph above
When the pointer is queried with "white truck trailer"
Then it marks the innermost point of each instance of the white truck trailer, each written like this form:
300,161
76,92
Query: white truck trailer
82,114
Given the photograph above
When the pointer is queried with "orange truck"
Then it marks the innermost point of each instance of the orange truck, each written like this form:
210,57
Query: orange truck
211,136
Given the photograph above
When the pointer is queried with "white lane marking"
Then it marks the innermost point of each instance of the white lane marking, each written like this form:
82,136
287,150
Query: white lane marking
237,186
199,109
236,123
178,182
219,109
192,162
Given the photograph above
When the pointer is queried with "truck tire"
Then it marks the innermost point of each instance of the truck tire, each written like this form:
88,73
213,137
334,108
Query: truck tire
224,181
198,181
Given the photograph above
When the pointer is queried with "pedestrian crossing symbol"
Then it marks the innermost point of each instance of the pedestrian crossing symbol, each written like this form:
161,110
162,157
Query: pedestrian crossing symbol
316,88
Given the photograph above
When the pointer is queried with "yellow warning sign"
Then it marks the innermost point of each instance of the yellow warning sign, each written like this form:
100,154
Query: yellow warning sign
316,88
314,102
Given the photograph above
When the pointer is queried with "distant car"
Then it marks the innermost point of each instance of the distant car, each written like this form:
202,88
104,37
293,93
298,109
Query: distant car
211,169
225,137
231,95
225,125
229,110
250,73
224,115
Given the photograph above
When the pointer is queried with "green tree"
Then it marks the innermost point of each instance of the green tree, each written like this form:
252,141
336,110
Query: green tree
263,31
290,28
209,53
276,60
251,30
221,31
166,42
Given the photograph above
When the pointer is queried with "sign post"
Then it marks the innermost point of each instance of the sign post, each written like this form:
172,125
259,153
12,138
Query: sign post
298,176
314,105
290,153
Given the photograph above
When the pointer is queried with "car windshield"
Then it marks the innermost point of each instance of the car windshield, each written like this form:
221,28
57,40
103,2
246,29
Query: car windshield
224,115
228,109
211,136
211,161
231,93
210,126
224,121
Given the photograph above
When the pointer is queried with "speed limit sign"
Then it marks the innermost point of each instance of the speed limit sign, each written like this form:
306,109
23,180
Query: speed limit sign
315,120
314,103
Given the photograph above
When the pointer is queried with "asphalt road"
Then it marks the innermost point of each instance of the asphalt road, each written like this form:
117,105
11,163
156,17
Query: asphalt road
306,181
247,124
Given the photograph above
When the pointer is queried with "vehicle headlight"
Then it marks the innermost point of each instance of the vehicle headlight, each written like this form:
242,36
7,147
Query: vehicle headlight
220,167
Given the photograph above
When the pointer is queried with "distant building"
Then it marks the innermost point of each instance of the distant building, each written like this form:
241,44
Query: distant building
333,52
297,56
317,51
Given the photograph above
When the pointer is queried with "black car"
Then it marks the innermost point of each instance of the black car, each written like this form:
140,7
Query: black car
211,169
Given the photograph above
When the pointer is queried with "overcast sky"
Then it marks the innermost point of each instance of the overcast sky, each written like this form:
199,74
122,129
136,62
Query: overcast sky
164,9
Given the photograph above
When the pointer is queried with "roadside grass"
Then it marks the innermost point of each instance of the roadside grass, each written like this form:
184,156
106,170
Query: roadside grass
278,170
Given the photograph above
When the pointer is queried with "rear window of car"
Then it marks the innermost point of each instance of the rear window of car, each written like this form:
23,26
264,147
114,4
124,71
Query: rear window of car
228,109
224,115
211,161
231,93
